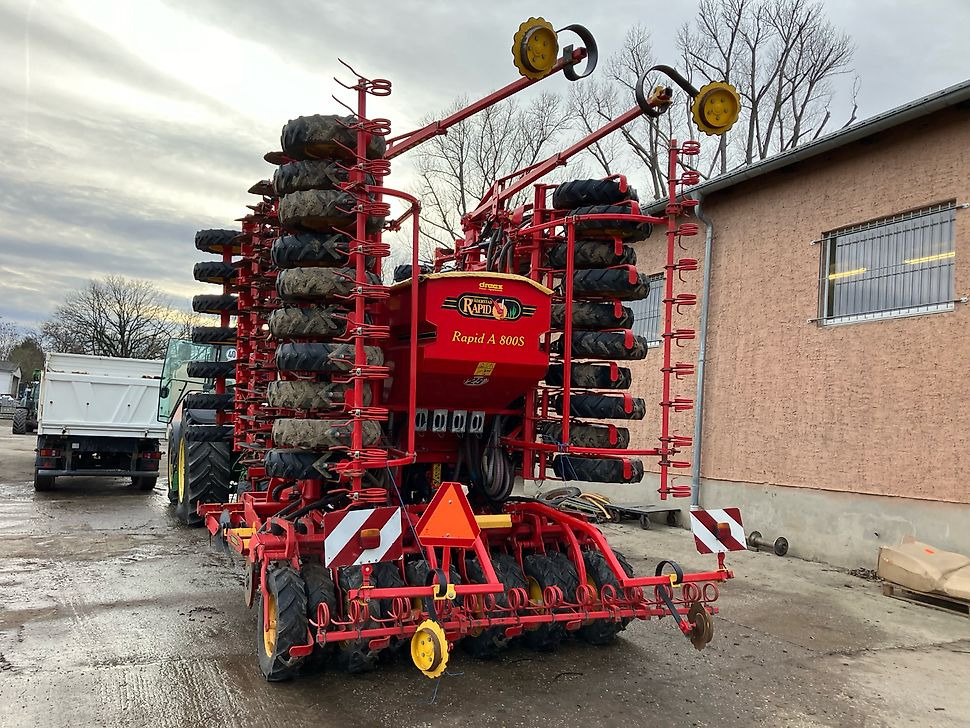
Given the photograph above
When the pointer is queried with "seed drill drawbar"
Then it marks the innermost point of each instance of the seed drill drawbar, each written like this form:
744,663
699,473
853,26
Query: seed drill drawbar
362,456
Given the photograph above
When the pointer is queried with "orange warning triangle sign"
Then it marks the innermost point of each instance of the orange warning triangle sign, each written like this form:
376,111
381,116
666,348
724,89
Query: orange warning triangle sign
448,520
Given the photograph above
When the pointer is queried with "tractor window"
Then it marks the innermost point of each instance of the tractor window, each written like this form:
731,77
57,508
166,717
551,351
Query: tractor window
648,312
175,379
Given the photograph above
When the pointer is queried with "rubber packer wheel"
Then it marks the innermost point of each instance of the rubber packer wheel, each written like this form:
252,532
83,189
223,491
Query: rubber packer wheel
602,406
579,192
489,642
311,249
322,434
319,357
297,464
614,345
210,369
542,572
310,395
592,254
326,136
312,322
208,401
614,283
314,174
220,335
214,271
318,283
322,210
355,656
598,575
598,470
593,316
628,230
320,589
584,434
217,241
590,376
204,473
216,304
287,606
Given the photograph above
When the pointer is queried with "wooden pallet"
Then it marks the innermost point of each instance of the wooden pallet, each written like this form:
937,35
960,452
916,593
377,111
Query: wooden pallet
932,600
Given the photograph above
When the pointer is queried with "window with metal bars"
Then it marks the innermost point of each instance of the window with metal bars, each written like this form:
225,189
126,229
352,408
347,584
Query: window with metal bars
648,312
895,266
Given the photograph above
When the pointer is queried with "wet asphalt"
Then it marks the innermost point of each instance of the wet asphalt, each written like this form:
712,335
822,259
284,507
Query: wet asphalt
112,614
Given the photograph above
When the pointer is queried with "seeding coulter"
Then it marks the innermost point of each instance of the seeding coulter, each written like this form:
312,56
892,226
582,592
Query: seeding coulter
362,460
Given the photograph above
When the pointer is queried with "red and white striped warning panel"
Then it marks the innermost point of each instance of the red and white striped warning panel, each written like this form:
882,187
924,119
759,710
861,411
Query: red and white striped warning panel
717,530
365,536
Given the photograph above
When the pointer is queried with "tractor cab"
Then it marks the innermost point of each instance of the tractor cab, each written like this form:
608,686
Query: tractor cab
176,377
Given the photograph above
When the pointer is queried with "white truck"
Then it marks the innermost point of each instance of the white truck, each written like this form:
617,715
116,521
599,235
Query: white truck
97,416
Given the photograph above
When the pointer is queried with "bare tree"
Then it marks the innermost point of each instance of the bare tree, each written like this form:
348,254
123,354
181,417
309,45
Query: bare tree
114,316
9,336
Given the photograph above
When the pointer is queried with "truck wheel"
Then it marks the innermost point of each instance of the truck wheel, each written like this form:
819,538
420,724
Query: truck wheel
43,482
322,210
217,241
598,470
584,434
590,376
204,473
602,406
309,249
316,357
593,316
287,607
628,230
214,271
310,395
19,424
489,642
320,589
612,282
577,192
592,254
542,572
604,345
215,304
322,434
318,283
223,335
326,136
211,369
317,322
598,575
146,482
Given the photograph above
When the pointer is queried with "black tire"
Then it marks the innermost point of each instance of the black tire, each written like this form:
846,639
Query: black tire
311,249
602,406
592,254
628,230
592,316
209,401
312,322
604,345
220,335
613,283
326,136
403,272
603,631
210,369
310,395
215,271
322,210
215,304
318,283
541,572
288,594
315,174
590,376
217,241
294,464
318,357
322,434
416,574
598,470
19,424
208,433
579,192
145,483
320,589
203,478
585,434
43,482
489,642
355,656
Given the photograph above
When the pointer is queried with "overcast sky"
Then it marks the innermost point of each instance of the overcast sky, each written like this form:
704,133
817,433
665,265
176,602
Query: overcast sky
126,125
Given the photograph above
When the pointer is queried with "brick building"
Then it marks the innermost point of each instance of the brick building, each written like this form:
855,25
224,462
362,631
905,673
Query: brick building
836,398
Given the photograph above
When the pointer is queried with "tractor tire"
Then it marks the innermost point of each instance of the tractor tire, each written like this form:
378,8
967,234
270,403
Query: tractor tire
592,316
220,335
322,434
210,369
603,631
312,322
592,254
604,345
294,464
541,572
310,395
208,433
320,589
216,304
318,283
590,376
489,642
578,192
214,271
314,174
203,477
611,282
208,401
217,241
627,230
18,425
288,620
316,357
602,406
597,470
322,210
311,249
584,434
326,136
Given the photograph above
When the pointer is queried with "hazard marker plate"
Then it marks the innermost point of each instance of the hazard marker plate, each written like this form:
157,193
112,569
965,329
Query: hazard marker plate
448,519
342,544
709,539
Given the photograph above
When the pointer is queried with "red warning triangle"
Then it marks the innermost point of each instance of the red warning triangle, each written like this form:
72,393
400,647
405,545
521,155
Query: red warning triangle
448,520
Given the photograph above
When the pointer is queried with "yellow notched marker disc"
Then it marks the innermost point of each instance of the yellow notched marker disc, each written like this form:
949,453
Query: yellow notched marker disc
716,107
429,649
535,48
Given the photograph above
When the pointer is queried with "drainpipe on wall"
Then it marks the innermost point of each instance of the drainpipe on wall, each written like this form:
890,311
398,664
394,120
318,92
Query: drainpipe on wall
695,475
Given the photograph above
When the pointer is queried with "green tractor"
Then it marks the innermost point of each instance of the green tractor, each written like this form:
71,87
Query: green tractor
201,464
25,416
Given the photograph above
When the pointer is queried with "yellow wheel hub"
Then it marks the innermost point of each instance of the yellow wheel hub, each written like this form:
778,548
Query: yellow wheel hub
429,649
535,48
716,107
269,632
183,469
